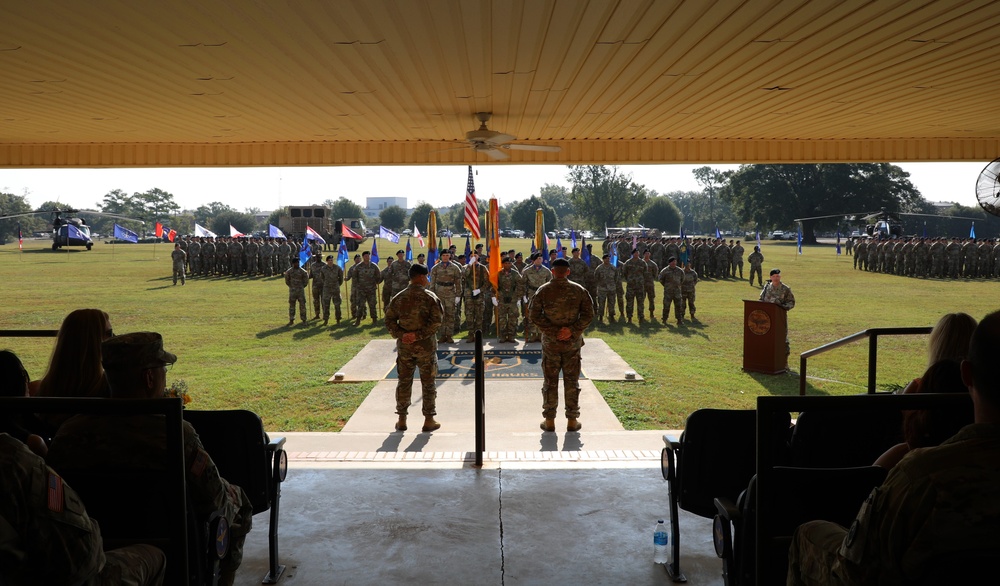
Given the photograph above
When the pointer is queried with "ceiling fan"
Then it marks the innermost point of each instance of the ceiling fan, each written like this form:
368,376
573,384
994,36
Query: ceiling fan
493,143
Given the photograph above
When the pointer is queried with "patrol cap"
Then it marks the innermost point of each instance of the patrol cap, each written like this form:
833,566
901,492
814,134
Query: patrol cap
635,250
329,257
505,259
357,256
417,269
560,262
519,255
421,255
671,259
577,249
135,350
775,272
400,251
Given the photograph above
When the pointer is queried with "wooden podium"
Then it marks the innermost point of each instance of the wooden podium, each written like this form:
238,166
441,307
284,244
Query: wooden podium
765,328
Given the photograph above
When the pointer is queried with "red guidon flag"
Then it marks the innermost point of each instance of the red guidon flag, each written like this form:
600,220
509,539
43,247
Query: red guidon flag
471,209
159,230
348,233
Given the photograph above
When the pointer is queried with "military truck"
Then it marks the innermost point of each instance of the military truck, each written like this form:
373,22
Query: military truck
320,219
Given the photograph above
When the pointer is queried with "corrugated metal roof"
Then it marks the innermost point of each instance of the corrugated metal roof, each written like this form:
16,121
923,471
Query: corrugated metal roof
234,82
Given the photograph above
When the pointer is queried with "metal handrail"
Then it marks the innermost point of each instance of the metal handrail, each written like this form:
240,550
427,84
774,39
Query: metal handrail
872,334
480,402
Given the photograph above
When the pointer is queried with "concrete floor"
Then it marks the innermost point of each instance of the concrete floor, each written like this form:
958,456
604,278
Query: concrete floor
531,523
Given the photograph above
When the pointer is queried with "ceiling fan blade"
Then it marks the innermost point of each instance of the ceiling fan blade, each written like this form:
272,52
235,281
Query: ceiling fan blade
533,147
498,138
494,153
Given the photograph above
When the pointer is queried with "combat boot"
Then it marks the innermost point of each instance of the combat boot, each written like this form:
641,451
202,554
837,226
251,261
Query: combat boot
430,424
401,424
548,425
572,424
357,321
325,321
291,322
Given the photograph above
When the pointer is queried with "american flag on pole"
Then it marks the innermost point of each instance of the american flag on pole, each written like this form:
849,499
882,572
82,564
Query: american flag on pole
471,209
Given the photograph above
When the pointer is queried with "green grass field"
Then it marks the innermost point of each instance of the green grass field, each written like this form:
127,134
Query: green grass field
236,352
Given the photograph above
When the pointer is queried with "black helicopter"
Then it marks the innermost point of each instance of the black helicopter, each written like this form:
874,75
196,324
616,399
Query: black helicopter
71,231
881,224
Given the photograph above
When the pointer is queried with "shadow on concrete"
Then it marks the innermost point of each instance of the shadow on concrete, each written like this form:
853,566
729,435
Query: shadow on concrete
391,443
419,442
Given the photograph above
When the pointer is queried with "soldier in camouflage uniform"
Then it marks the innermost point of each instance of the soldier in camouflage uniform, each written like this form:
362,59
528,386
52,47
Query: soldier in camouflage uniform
332,277
756,260
634,275
296,278
194,255
386,283
562,310
266,251
860,254
938,503
208,256
397,276
48,536
984,256
535,275
284,253
688,291
177,258
780,294
315,266
251,250
366,278
871,265
222,255
236,252
136,365
578,269
672,278
606,280
477,288
446,283
510,291
649,283
737,263
413,318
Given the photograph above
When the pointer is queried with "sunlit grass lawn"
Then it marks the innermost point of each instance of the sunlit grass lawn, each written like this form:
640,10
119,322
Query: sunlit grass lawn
236,352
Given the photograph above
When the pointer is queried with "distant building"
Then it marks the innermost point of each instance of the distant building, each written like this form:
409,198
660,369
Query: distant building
375,205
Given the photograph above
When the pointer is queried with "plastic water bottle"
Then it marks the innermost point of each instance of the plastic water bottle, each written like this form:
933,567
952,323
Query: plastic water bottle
660,542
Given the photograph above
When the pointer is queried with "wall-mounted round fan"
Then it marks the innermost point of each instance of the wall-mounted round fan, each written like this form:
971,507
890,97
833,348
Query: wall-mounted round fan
988,188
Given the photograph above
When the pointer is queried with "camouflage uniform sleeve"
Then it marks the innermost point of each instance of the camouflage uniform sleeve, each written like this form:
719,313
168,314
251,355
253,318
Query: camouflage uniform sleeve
763,292
536,312
435,317
288,279
392,316
788,300
209,491
586,314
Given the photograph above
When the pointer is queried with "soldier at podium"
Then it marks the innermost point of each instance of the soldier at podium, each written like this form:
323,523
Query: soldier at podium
780,294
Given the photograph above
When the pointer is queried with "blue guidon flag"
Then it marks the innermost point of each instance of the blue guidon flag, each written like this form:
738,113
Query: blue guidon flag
120,233
388,234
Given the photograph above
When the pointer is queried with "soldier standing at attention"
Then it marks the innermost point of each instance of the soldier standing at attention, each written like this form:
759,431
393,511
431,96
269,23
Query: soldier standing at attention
353,301
366,279
194,255
534,276
578,269
606,278
510,290
266,255
398,275
296,278
386,283
317,283
737,259
178,258
780,294
519,263
413,318
446,283
283,252
208,256
672,279
687,290
251,249
332,277
478,289
756,261
649,282
634,275
562,310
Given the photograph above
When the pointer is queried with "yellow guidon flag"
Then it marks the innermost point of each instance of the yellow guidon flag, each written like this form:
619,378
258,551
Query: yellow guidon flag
493,240
432,248
540,241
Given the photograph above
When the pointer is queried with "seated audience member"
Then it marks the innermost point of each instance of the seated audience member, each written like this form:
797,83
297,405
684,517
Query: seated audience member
929,427
136,366
949,340
75,367
46,536
937,503
14,383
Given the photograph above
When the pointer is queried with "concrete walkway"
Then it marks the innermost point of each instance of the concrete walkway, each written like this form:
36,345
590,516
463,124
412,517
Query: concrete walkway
370,505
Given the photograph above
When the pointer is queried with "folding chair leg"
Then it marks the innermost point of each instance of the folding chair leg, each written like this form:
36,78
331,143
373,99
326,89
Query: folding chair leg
274,569
674,569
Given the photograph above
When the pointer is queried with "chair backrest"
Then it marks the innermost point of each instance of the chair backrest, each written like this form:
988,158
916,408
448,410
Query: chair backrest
799,495
839,439
235,440
718,456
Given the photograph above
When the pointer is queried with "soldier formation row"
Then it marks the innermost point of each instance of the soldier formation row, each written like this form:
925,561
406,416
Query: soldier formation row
250,256
928,257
